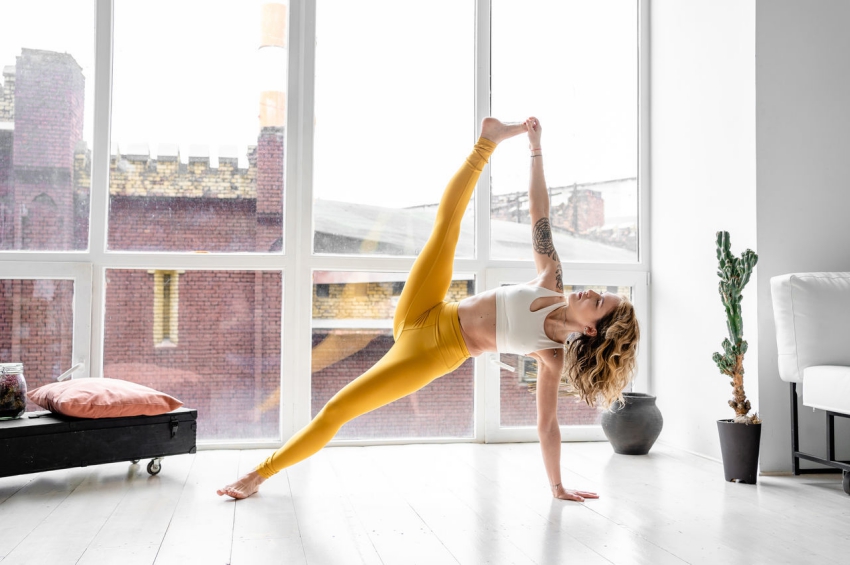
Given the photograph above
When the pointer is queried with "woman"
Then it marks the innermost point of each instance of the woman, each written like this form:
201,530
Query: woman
433,337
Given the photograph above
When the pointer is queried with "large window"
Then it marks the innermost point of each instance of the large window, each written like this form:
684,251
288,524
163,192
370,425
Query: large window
214,344
198,121
394,114
223,200
576,69
36,327
46,102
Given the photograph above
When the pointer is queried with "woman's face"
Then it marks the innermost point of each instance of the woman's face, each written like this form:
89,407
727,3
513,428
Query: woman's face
587,307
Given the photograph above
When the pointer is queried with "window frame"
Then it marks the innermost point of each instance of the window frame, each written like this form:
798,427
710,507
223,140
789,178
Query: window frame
296,260
80,274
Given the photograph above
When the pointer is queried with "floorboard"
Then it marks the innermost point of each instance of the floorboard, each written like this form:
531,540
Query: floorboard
201,528
329,526
516,471
397,532
66,532
468,504
265,529
32,500
134,531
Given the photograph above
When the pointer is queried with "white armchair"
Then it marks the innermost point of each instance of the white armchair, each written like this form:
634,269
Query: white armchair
812,315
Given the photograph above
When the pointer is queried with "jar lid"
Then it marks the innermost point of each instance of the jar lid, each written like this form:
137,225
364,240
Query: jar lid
11,368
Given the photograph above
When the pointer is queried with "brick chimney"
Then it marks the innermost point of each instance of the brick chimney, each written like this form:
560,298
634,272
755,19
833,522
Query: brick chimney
584,210
273,56
48,114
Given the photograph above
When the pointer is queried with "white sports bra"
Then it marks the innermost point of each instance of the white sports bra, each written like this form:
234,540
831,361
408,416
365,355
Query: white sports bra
518,329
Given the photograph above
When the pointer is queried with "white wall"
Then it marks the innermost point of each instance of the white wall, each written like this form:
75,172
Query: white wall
803,138
703,180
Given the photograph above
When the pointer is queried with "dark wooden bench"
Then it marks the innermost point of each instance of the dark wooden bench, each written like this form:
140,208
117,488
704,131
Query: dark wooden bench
44,441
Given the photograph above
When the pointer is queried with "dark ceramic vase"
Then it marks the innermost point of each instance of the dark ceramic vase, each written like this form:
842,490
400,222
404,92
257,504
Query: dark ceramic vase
739,446
633,427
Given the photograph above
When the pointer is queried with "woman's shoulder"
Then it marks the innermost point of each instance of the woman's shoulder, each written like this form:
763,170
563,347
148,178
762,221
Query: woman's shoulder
543,286
552,359
526,293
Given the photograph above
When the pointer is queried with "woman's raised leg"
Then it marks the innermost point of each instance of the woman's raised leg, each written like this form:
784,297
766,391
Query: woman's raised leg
431,274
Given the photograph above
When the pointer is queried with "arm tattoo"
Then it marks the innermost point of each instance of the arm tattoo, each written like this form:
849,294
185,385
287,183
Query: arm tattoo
543,244
542,238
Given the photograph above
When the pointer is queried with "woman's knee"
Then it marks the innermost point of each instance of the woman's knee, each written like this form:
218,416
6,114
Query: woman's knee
336,413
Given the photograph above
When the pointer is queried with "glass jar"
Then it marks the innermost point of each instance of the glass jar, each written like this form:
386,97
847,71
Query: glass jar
13,391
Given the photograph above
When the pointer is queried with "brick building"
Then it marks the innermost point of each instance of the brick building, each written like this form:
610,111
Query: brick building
211,338
577,210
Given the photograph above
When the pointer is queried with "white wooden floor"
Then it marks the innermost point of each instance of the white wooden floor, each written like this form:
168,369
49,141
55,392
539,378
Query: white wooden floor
429,504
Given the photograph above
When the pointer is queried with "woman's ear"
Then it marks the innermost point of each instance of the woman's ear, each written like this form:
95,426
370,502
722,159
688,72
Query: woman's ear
590,331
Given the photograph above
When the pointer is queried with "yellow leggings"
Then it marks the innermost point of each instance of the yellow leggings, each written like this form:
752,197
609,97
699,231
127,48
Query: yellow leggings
428,341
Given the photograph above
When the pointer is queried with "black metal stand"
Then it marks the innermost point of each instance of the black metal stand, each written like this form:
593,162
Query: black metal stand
834,466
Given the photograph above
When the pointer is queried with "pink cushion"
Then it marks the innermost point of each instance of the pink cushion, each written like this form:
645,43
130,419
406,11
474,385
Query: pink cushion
102,398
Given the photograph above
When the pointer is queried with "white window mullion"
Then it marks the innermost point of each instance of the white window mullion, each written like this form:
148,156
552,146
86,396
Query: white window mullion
99,207
644,182
482,200
297,304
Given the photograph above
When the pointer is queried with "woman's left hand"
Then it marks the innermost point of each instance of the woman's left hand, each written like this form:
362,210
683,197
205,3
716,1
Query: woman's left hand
568,494
535,131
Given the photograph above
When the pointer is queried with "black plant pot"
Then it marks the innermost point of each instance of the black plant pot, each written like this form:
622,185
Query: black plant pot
634,427
739,444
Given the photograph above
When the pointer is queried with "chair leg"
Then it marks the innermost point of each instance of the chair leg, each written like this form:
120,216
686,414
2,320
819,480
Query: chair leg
830,436
795,437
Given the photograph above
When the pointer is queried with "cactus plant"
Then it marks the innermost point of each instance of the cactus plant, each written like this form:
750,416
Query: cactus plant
734,274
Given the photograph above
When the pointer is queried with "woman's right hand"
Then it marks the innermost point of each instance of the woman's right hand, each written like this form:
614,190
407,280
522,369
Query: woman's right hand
558,491
535,130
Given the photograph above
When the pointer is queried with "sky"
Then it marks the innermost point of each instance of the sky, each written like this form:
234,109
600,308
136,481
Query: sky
394,91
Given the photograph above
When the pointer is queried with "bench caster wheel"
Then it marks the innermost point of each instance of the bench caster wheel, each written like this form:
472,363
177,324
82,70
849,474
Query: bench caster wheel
154,467
846,482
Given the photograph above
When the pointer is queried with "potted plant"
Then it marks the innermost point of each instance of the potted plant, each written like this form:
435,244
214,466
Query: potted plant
739,436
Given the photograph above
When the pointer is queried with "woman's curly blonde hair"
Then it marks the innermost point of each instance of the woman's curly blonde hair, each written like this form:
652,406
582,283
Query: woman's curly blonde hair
598,368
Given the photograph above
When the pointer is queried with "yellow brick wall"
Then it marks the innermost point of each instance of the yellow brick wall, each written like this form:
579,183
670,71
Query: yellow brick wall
82,172
367,300
159,329
170,178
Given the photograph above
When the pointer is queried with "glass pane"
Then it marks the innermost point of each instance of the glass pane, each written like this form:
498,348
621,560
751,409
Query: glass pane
352,330
393,121
46,102
583,58
37,328
209,338
192,167
518,405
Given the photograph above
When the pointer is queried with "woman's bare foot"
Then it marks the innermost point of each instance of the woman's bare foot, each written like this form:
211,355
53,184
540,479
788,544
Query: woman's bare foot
244,487
496,131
